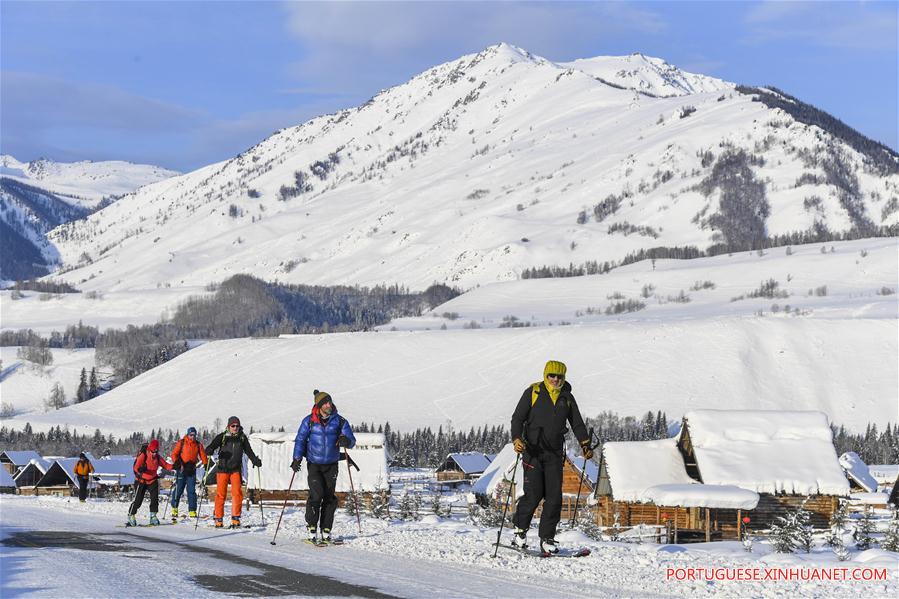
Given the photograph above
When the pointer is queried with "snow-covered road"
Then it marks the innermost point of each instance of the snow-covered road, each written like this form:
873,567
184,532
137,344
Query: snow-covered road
56,547
72,552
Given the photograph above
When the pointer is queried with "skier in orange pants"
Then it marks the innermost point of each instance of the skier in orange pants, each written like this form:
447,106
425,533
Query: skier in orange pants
231,445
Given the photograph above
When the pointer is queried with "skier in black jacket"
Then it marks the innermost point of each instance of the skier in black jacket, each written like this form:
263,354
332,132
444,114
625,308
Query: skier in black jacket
231,445
538,433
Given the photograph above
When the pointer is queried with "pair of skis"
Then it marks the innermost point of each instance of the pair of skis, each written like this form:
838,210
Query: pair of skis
582,552
320,543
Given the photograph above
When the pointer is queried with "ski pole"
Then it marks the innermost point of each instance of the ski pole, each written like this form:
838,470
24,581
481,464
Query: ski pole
171,494
258,489
577,497
283,507
202,497
352,489
506,506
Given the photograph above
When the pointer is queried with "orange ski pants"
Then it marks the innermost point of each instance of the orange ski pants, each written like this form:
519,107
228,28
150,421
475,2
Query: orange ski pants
222,480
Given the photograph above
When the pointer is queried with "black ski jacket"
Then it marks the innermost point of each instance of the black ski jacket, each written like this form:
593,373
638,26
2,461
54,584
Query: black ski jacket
231,449
543,425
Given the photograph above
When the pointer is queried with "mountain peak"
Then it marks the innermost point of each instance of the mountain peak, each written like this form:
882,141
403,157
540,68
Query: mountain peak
648,74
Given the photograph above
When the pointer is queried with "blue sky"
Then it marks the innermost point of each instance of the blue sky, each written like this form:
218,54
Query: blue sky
185,84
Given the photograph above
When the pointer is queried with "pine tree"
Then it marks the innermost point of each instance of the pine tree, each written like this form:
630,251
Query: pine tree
863,530
783,533
891,539
56,399
834,537
93,386
82,393
804,530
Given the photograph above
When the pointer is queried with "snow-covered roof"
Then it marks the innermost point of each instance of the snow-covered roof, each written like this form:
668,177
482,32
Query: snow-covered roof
40,464
500,468
276,452
471,462
857,470
592,467
114,469
67,466
875,498
885,474
699,495
6,479
635,466
20,458
766,451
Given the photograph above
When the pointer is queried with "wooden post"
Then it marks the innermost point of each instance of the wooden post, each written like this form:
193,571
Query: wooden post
708,534
740,525
675,525
658,515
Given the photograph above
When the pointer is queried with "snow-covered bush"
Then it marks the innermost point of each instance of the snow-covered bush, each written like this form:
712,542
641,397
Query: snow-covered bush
863,530
834,537
891,539
586,522
380,505
352,500
410,506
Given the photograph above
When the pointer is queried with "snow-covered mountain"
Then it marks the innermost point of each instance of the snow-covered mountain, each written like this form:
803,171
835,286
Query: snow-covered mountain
85,183
481,167
37,196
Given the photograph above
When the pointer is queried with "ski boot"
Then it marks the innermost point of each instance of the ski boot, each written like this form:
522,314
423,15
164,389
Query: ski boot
132,521
326,536
192,514
154,521
174,515
311,535
218,523
235,521
549,546
519,539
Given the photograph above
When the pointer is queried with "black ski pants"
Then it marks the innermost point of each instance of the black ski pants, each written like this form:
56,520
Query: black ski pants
142,488
322,502
82,488
542,481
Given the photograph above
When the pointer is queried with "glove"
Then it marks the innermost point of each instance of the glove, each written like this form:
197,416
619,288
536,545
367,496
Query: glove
585,449
519,446
258,463
343,441
142,469
295,465
176,465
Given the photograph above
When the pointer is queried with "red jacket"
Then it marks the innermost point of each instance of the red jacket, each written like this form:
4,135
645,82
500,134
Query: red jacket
146,466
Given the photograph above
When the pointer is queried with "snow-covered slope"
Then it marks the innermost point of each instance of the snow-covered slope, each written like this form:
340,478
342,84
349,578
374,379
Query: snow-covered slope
469,378
26,385
842,280
83,183
481,167
833,350
37,196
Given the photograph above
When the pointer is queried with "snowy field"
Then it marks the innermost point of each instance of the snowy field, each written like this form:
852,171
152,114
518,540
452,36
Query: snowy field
104,310
26,385
431,557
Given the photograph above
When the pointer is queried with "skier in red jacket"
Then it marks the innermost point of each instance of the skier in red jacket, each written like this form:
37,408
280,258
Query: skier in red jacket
146,477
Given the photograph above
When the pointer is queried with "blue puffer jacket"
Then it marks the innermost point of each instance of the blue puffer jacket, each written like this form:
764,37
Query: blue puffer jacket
317,441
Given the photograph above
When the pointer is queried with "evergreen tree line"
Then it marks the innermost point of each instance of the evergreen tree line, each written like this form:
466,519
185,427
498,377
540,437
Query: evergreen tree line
884,160
423,448
242,306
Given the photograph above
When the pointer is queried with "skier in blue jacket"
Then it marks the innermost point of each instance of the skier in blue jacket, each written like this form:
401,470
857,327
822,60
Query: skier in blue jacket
319,439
